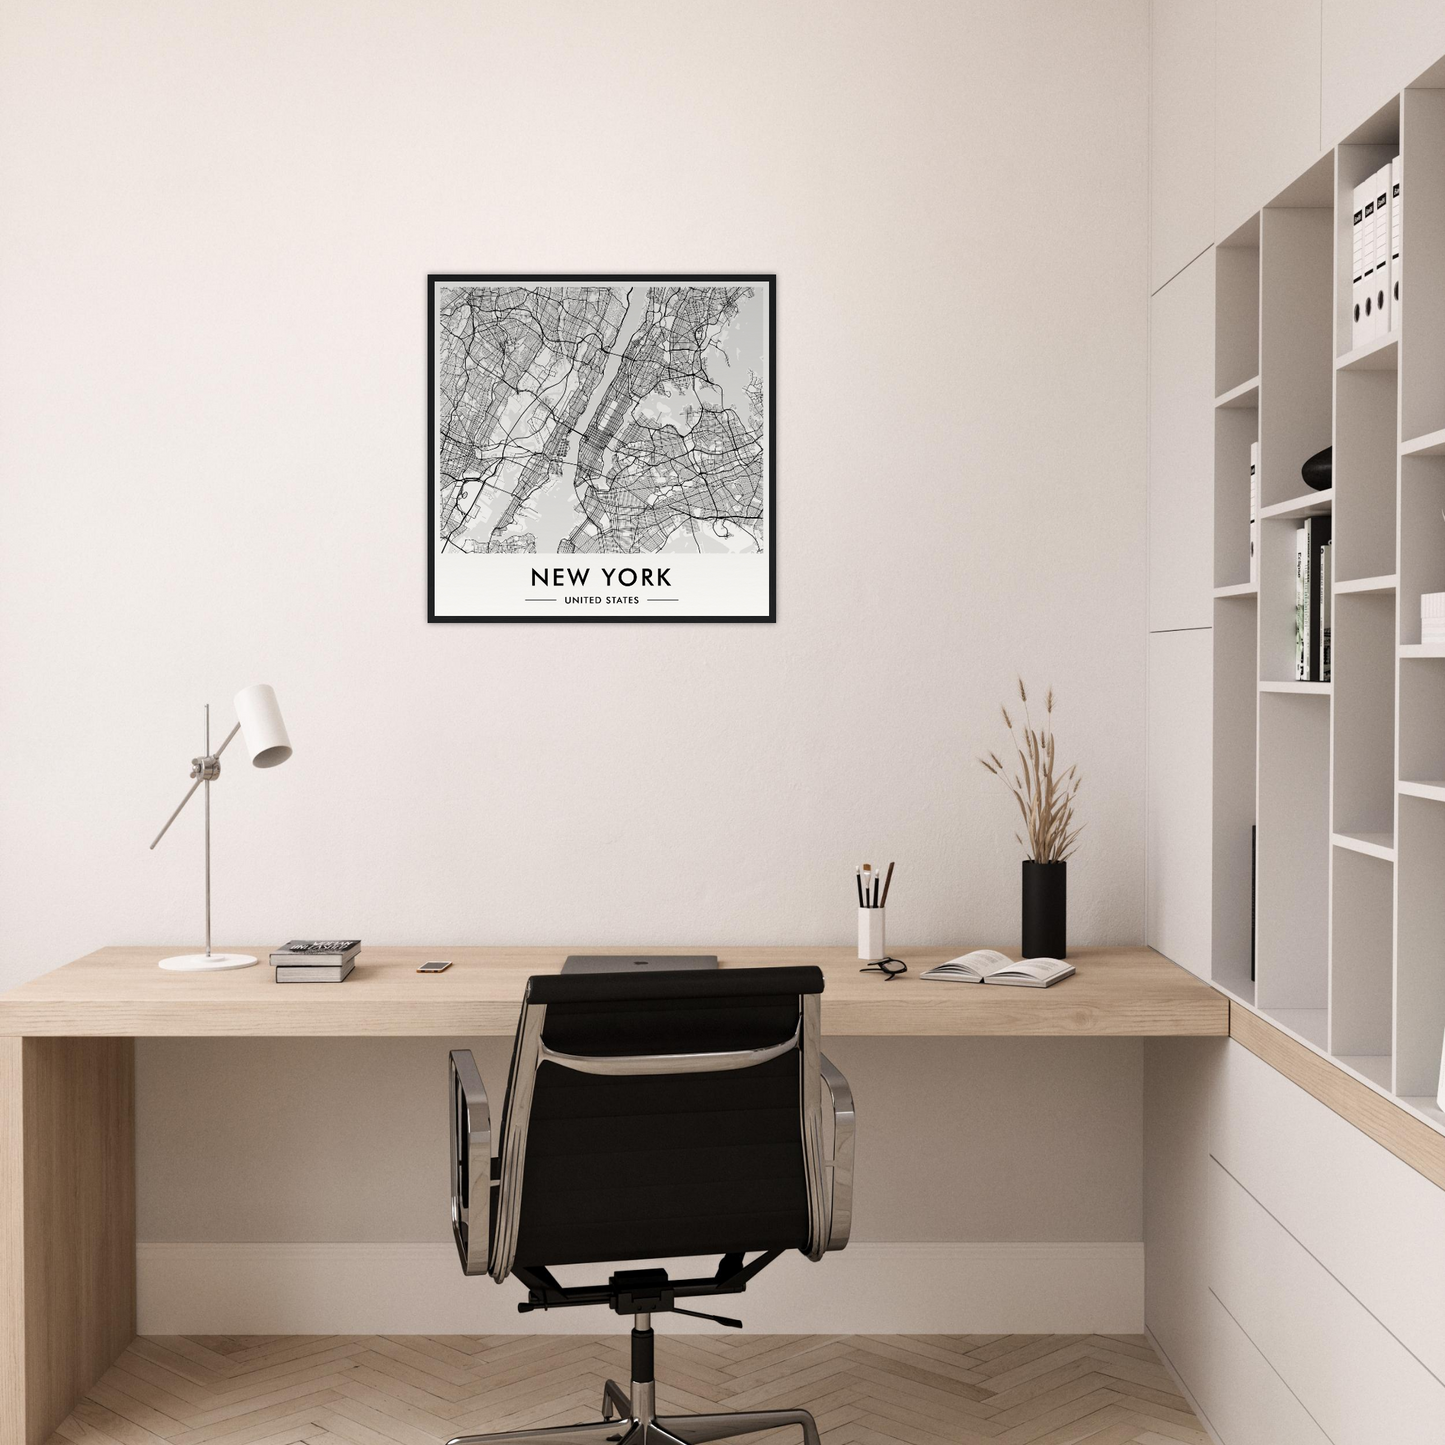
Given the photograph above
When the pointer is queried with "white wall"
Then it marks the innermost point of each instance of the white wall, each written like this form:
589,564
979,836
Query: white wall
217,225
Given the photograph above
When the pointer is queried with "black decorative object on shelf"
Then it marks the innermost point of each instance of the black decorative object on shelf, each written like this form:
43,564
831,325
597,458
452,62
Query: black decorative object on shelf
1046,909
1319,471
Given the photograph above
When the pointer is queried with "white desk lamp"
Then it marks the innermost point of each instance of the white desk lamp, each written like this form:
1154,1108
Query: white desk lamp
258,720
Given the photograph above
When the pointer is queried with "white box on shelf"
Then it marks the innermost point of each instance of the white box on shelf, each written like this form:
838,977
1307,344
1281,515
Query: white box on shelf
1432,617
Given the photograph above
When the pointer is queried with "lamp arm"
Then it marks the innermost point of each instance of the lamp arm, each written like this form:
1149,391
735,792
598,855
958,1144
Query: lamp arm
177,813
227,743
200,772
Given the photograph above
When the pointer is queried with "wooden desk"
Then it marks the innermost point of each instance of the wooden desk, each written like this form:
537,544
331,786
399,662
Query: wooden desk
119,992
67,1090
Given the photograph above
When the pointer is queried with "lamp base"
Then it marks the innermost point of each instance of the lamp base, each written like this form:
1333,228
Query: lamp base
206,962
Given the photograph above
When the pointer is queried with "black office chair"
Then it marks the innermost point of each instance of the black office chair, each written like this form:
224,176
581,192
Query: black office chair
650,1117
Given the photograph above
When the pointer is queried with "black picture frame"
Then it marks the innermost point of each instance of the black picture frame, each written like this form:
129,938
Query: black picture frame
585,616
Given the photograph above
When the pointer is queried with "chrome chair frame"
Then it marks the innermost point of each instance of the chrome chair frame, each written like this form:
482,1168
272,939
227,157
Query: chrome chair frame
486,1211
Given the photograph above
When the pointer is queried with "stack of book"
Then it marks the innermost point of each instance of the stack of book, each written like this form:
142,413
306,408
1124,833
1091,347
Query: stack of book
315,960
1312,601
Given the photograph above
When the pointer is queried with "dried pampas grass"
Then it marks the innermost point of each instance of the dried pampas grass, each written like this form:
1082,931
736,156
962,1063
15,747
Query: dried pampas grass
1046,801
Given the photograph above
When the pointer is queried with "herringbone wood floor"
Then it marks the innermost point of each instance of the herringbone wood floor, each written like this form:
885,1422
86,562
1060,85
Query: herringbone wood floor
418,1389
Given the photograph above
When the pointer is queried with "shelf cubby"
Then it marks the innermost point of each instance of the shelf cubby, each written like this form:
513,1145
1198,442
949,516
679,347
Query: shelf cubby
1296,367
1364,703
1294,852
1365,459
1362,902
1422,537
1236,314
1277,603
1235,429
1236,708
1420,963
1422,720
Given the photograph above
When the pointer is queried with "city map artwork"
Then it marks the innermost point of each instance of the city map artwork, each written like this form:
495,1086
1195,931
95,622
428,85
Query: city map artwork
601,448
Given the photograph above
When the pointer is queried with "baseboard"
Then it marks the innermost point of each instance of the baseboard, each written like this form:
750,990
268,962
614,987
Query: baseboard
305,1289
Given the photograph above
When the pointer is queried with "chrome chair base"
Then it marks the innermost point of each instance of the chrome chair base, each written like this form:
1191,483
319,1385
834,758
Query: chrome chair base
641,1427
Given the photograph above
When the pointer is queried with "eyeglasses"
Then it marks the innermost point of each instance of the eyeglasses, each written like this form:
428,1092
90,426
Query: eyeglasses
890,968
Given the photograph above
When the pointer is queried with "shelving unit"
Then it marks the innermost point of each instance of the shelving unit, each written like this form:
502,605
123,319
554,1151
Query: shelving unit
1343,781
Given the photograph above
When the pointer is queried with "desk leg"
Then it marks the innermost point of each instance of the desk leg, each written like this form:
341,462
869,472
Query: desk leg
67,1224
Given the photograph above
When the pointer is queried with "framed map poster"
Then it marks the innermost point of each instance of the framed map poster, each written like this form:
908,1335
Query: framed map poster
601,449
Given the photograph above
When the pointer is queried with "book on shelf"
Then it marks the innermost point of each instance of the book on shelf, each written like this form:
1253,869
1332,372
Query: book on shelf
1326,606
1301,606
314,972
1254,513
988,965
1310,610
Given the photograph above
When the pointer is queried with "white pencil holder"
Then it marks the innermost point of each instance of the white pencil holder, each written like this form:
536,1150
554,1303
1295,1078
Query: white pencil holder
871,945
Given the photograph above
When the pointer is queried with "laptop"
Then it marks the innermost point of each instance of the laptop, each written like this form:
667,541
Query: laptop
637,962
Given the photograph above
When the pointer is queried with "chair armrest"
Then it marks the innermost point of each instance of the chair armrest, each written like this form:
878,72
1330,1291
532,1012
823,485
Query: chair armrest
471,1128
840,1166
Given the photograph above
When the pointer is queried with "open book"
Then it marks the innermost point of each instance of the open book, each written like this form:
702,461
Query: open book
987,965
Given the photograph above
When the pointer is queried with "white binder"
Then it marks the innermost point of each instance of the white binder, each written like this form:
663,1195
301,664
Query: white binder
1254,513
1396,225
1382,251
1367,323
1357,267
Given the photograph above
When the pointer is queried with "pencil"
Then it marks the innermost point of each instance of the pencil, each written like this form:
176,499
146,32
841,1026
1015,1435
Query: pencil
887,884
859,881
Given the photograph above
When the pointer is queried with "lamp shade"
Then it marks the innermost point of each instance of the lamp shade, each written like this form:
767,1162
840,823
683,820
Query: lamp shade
262,730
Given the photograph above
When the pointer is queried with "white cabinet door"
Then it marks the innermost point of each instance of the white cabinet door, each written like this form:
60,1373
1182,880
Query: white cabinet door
1246,1401
1371,1220
1181,450
1358,1382
1181,134
1370,52
1178,902
1266,102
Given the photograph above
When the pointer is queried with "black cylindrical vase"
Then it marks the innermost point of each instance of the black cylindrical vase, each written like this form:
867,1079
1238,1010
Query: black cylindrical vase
1046,909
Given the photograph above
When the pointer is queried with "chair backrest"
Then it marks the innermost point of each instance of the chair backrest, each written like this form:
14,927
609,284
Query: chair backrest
669,1114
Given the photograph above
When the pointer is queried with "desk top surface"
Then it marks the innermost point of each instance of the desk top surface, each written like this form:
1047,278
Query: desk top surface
120,992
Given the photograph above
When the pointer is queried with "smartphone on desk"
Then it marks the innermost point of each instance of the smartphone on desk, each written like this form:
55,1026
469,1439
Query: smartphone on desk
435,965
